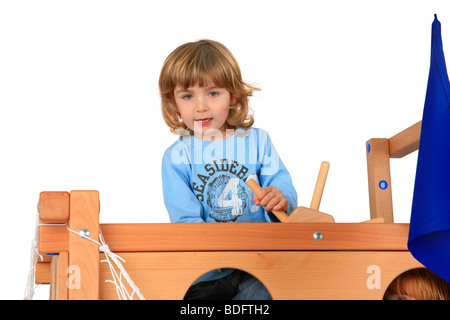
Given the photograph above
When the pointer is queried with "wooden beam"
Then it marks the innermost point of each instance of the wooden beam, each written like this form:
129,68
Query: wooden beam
240,236
405,142
291,275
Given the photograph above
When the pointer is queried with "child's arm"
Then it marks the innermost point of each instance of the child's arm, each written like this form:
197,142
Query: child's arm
179,199
278,192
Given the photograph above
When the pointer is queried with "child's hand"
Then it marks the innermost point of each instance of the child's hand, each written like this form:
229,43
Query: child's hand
271,198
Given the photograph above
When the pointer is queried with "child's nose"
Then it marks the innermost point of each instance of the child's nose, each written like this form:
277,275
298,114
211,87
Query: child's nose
201,105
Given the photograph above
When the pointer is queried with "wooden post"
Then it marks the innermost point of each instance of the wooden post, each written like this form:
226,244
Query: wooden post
83,278
379,178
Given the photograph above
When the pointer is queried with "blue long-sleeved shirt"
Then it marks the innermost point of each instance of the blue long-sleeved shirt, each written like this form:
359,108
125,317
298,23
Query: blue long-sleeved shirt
204,181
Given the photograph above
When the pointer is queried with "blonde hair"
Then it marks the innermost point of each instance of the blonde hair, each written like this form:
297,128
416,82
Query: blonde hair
419,284
197,62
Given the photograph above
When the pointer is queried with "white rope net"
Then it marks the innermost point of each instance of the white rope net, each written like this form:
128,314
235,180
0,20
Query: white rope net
34,257
113,260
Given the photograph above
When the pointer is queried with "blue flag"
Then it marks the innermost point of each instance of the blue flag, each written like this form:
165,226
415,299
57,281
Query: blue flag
429,232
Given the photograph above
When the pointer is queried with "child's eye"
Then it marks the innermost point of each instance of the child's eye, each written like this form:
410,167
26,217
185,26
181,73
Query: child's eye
213,94
187,96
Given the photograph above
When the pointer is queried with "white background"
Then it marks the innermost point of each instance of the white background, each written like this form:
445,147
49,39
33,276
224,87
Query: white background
80,107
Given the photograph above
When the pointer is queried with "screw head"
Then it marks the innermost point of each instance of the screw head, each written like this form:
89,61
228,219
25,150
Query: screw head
318,235
84,233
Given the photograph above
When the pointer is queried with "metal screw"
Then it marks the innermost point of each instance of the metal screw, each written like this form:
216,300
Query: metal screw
318,235
84,233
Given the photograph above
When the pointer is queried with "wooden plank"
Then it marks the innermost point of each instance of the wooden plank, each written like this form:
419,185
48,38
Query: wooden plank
83,253
405,142
54,207
286,274
241,236
379,179
255,236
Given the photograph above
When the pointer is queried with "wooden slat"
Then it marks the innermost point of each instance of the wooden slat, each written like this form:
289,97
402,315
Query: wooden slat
54,277
255,236
405,142
241,236
286,274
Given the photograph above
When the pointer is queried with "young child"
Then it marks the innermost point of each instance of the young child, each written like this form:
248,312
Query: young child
418,284
205,101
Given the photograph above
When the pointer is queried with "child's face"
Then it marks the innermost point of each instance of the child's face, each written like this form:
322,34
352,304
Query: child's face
204,110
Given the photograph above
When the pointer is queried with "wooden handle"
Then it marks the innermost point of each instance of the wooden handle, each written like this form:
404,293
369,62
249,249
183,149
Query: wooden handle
256,188
320,185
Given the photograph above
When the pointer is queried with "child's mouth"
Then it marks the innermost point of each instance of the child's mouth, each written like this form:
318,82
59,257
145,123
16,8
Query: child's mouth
204,122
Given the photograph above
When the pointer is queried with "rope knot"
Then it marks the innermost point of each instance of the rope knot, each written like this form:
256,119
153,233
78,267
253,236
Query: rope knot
105,248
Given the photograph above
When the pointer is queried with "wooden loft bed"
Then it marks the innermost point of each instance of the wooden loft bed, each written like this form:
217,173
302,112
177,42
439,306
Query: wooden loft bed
296,260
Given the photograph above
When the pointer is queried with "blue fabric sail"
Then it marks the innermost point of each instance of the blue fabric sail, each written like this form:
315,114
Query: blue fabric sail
429,233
